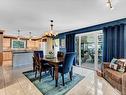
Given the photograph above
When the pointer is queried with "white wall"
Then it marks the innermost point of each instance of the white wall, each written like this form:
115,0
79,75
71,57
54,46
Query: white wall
48,46
56,47
43,47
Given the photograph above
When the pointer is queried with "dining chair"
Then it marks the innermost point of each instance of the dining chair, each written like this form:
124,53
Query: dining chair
36,54
60,54
40,67
39,54
33,59
67,66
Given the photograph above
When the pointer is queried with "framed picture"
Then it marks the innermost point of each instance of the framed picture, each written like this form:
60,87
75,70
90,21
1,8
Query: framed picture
62,43
56,41
18,44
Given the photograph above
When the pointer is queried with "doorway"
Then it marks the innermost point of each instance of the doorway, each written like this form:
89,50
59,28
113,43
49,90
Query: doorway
89,48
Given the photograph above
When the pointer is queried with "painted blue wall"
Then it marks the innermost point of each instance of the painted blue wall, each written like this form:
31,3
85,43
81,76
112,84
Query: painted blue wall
93,28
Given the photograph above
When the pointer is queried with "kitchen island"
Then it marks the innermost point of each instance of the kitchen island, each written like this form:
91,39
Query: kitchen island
21,58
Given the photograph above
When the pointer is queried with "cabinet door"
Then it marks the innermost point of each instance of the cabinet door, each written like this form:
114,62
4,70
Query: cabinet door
1,59
7,56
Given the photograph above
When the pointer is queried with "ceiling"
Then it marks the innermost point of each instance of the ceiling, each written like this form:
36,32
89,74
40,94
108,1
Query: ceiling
35,15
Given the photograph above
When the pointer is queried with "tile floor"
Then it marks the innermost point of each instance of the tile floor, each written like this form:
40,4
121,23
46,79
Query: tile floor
13,82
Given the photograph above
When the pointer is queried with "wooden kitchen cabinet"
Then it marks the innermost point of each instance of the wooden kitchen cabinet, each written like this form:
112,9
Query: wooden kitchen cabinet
7,56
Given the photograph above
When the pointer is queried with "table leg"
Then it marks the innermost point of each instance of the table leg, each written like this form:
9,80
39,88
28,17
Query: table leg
56,75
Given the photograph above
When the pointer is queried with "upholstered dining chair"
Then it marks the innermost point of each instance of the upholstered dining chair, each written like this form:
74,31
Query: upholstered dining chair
67,66
60,54
40,67
36,54
33,59
39,54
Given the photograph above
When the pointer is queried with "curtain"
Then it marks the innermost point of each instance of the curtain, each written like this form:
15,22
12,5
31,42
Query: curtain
113,42
70,44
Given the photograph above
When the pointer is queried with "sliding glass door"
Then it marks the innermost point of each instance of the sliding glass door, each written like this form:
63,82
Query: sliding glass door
89,49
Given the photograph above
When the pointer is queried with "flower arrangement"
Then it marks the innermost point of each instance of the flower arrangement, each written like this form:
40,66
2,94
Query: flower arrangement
50,55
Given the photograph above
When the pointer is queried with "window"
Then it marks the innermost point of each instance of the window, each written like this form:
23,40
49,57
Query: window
18,44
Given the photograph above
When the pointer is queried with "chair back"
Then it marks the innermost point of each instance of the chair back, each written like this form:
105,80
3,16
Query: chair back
33,63
38,54
68,61
36,60
60,54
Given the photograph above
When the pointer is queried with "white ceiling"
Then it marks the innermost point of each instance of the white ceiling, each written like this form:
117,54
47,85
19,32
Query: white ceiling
34,15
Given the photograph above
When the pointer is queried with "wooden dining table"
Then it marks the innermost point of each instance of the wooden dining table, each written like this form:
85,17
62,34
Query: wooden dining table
55,62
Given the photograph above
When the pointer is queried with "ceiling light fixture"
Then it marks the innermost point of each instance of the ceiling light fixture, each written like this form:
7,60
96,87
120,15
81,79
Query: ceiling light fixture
109,4
18,37
51,33
30,36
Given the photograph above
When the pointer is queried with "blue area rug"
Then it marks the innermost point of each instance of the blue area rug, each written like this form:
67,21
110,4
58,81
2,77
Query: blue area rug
47,85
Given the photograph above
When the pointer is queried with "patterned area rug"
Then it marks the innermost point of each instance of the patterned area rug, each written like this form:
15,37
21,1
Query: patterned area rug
47,85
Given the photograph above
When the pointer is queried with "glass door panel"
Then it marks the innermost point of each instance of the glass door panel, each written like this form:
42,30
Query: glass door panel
77,49
89,48
87,51
100,48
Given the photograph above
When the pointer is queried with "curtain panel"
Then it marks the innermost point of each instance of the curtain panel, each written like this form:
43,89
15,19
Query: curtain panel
113,42
70,44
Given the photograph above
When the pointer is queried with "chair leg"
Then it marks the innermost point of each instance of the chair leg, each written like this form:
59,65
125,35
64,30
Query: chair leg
53,73
56,83
45,72
71,74
50,71
35,73
63,78
40,76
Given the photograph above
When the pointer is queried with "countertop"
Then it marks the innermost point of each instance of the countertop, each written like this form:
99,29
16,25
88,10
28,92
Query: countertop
22,51
19,51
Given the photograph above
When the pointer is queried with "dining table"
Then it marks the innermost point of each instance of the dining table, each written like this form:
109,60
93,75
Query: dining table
55,62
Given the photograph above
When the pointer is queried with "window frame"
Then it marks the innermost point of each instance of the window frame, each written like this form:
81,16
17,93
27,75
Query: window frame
24,41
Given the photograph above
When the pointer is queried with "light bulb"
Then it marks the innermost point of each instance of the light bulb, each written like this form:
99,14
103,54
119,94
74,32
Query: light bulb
18,38
107,4
111,8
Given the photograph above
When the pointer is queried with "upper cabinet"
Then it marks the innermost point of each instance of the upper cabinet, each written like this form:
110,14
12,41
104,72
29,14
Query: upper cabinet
11,43
6,43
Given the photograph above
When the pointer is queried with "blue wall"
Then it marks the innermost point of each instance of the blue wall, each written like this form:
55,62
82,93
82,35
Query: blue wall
94,28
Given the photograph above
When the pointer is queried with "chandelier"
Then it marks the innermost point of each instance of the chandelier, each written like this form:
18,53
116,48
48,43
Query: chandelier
109,4
50,34
30,36
18,37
